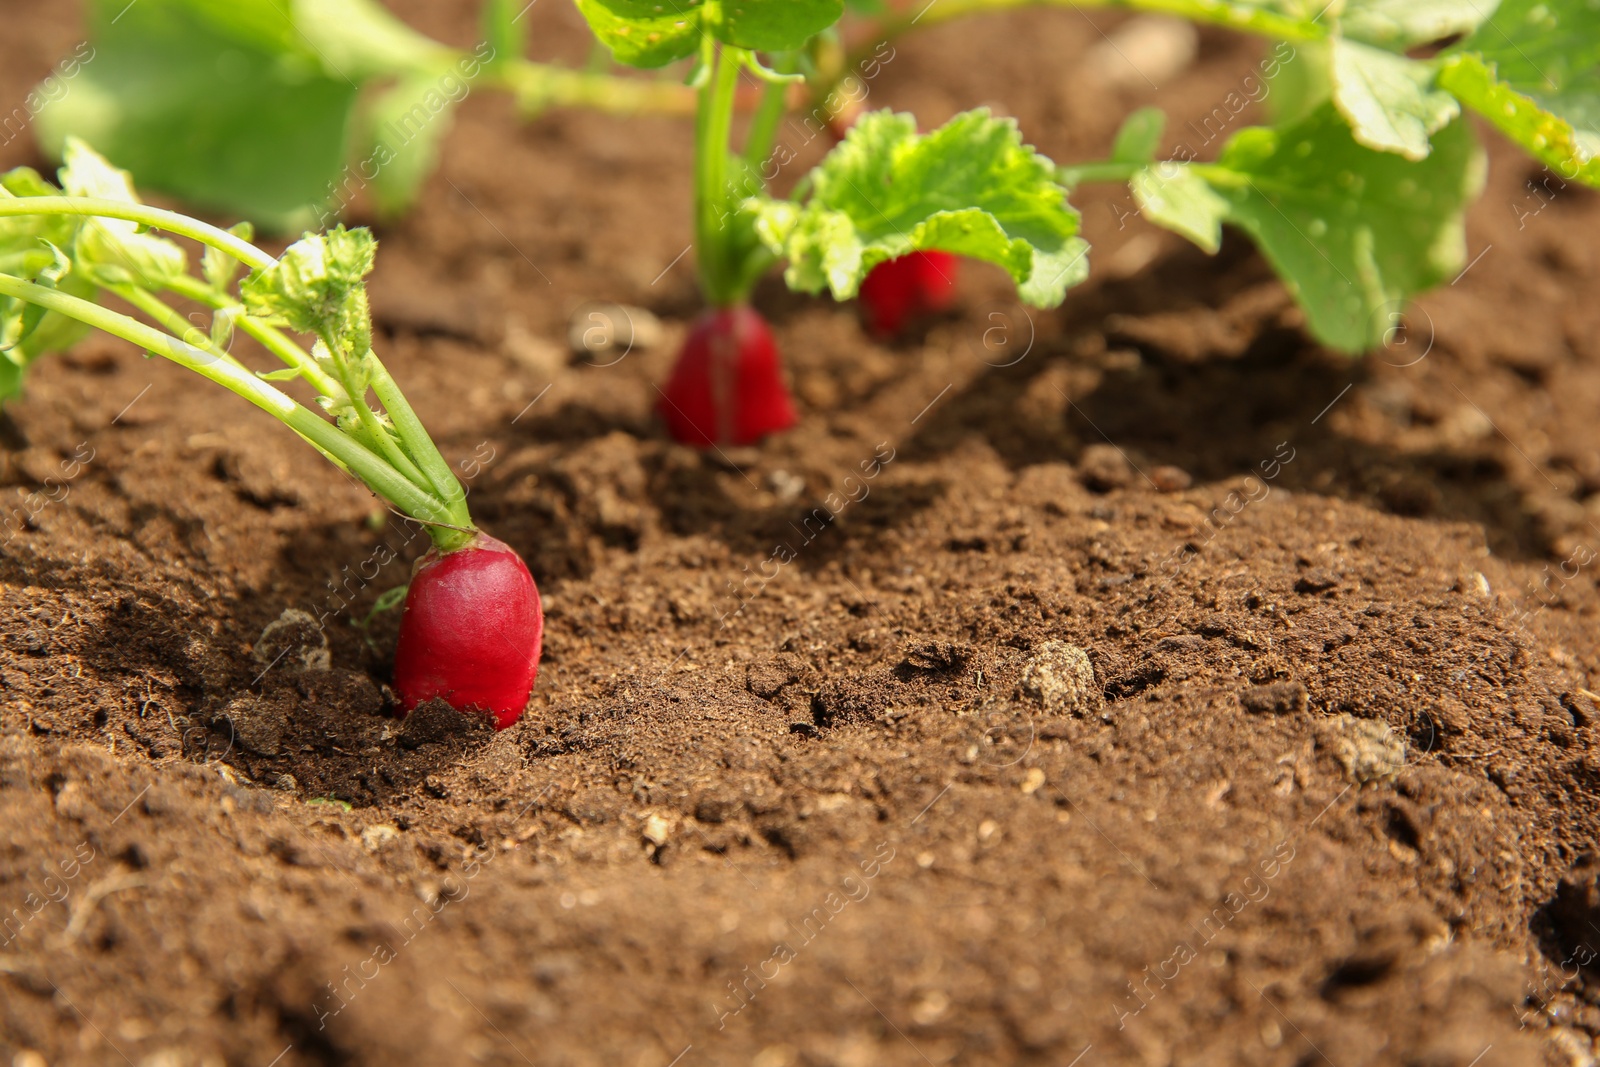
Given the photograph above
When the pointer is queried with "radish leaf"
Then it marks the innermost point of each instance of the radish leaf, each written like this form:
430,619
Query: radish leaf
114,250
1533,70
1177,198
639,35
1139,136
1401,24
206,116
970,187
653,33
1389,100
1354,233
316,287
774,25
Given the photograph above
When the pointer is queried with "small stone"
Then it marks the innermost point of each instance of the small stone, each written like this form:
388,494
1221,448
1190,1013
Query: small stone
1277,698
1170,479
657,830
1060,676
1104,468
785,485
1368,749
376,836
930,1008
1032,781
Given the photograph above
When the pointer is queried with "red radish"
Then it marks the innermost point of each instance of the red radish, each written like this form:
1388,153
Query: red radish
900,289
471,631
727,387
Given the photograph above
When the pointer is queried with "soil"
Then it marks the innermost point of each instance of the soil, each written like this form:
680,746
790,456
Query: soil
1136,683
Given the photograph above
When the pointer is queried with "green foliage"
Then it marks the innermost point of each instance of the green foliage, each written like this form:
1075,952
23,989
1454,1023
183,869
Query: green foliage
114,251
653,33
310,288
1390,101
970,187
1139,136
1401,24
1533,69
1354,233
245,106
645,40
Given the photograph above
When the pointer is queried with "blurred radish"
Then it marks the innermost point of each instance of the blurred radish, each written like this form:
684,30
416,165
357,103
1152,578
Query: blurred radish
915,284
727,387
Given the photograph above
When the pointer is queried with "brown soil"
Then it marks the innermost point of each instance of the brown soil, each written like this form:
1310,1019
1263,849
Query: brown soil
873,816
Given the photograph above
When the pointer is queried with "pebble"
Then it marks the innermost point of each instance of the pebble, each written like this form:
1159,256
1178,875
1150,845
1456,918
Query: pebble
1368,749
376,836
1060,676
657,830
1104,468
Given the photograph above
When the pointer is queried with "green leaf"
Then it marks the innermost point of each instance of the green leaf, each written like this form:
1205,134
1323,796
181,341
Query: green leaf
1401,24
1389,100
970,187
1139,136
198,112
287,374
1354,233
1533,69
352,40
31,247
218,267
645,38
115,248
315,286
773,25
1175,197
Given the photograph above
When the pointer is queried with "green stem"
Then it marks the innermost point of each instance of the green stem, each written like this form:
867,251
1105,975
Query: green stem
536,86
713,126
375,431
763,130
1107,171
169,320
372,469
155,217
271,338
420,445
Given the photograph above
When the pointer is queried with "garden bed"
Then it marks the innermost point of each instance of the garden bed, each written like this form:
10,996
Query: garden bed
808,777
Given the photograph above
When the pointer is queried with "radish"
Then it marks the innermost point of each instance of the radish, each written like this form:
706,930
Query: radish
901,289
727,386
471,631
472,627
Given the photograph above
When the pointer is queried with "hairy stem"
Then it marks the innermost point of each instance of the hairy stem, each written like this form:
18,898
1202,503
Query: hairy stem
372,469
271,338
154,217
375,430
420,445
